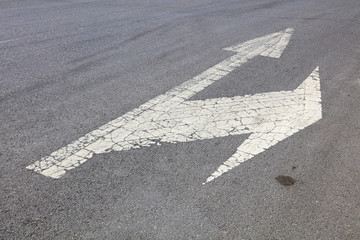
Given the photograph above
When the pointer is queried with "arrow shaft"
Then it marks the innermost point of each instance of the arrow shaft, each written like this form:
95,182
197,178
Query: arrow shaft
198,83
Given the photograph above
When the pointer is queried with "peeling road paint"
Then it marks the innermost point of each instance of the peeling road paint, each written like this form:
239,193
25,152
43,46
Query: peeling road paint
267,117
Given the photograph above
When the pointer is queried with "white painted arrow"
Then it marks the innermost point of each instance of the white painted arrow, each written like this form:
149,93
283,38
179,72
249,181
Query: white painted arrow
269,117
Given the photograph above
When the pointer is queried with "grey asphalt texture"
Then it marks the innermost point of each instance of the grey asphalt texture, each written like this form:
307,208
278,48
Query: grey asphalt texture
68,67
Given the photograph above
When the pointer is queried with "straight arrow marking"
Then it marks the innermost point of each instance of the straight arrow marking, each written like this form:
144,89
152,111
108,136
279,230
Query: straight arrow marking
170,118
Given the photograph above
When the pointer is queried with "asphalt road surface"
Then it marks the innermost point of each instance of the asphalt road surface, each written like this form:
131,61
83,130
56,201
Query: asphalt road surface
69,67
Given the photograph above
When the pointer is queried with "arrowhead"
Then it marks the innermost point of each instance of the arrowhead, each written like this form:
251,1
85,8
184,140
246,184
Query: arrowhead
271,45
296,110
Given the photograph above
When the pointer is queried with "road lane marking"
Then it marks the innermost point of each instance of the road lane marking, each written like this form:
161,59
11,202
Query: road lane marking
280,115
269,117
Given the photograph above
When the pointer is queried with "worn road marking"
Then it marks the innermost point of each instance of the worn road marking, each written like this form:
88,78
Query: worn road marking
269,117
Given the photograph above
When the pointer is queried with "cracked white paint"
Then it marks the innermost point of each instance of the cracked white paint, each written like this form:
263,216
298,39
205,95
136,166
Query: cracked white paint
277,115
269,117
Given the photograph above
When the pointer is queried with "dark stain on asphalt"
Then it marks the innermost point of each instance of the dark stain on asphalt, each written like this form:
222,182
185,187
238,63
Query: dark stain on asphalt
285,180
